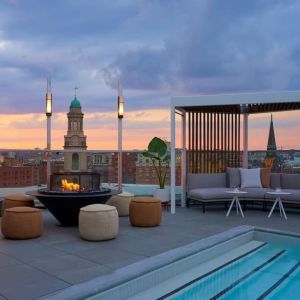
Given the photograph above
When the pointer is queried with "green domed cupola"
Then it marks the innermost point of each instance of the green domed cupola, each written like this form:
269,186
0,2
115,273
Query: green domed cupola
75,103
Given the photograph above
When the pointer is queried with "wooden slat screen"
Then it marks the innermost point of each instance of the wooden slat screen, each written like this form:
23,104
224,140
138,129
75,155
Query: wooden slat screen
213,141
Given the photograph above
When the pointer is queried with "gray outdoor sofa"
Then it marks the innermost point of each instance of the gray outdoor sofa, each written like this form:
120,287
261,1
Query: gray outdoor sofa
207,188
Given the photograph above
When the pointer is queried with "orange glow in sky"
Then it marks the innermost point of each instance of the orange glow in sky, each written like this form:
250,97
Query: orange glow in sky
27,131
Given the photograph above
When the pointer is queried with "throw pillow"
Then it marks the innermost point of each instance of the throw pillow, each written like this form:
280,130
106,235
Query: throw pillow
234,178
265,175
250,178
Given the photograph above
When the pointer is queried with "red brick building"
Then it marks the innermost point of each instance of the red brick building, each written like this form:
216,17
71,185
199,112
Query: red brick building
11,161
107,165
22,176
145,172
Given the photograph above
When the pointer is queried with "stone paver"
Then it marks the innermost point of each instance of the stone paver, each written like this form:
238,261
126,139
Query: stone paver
60,258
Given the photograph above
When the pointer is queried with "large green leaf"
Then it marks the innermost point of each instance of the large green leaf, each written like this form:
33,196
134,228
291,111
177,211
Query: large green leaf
158,146
150,155
166,158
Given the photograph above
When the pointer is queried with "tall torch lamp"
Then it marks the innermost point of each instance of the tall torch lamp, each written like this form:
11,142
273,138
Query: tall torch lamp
48,114
120,118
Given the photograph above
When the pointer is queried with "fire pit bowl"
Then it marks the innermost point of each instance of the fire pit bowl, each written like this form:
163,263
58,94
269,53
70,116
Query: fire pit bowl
65,204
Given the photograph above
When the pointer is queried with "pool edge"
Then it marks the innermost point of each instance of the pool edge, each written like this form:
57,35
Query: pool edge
108,281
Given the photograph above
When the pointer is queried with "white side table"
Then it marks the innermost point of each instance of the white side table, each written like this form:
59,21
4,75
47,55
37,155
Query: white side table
235,201
279,202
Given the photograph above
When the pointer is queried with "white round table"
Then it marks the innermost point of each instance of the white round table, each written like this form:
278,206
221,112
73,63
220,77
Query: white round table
235,201
279,202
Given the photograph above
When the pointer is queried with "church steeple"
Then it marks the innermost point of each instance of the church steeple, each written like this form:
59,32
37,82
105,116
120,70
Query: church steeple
75,140
75,137
271,155
271,140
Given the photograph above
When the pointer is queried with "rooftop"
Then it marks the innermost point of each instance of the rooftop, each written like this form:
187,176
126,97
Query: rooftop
60,259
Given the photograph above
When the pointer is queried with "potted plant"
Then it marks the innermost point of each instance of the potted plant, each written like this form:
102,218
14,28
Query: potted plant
158,154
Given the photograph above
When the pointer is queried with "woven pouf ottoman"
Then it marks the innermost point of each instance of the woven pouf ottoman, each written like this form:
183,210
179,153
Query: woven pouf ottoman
16,200
145,212
121,202
98,222
20,223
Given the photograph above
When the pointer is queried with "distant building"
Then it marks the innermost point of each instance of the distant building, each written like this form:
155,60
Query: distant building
106,164
256,159
10,161
271,146
293,161
145,171
75,140
129,167
102,164
271,154
22,176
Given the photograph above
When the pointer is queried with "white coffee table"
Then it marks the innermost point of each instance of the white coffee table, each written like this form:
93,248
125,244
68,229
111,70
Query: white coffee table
279,202
235,200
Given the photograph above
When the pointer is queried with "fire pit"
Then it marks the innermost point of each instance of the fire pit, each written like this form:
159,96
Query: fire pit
69,192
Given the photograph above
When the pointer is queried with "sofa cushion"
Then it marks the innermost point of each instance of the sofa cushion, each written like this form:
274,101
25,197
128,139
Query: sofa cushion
290,181
293,197
233,177
250,178
206,180
275,180
254,193
265,177
210,193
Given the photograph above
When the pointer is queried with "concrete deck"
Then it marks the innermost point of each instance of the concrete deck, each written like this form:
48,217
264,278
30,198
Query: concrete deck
34,268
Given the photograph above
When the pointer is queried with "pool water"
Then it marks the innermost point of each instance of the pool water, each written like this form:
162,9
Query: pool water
271,271
144,189
139,189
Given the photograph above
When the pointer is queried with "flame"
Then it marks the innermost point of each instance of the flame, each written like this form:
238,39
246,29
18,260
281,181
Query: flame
268,161
69,186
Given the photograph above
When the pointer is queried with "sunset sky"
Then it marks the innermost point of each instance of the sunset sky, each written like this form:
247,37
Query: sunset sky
156,49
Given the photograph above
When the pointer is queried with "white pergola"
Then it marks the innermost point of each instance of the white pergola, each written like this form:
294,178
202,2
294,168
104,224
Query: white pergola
243,104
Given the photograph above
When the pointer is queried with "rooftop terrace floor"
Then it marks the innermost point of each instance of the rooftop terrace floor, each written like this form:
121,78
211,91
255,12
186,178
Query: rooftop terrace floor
34,268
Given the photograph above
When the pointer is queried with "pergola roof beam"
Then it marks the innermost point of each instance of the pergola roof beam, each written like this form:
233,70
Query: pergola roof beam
236,99
251,108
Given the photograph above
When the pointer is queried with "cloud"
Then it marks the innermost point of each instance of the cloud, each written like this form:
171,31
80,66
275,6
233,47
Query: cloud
156,49
224,46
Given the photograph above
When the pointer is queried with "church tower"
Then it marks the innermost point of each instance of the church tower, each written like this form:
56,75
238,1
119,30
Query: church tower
75,140
271,154
271,147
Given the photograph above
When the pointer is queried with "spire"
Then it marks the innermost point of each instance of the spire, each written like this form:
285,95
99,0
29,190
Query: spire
75,92
271,140
75,102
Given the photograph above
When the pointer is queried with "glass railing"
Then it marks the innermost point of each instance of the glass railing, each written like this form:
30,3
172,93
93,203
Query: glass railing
23,168
26,168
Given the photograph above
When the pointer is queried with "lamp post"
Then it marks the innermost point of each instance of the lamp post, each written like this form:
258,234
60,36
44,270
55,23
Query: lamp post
120,118
48,114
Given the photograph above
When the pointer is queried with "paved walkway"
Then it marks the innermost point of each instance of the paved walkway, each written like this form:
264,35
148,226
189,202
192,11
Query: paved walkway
33,268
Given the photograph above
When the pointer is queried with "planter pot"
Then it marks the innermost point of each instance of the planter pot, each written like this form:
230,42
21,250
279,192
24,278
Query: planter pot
162,194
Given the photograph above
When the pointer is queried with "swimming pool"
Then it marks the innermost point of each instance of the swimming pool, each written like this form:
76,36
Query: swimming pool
140,189
265,272
241,263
